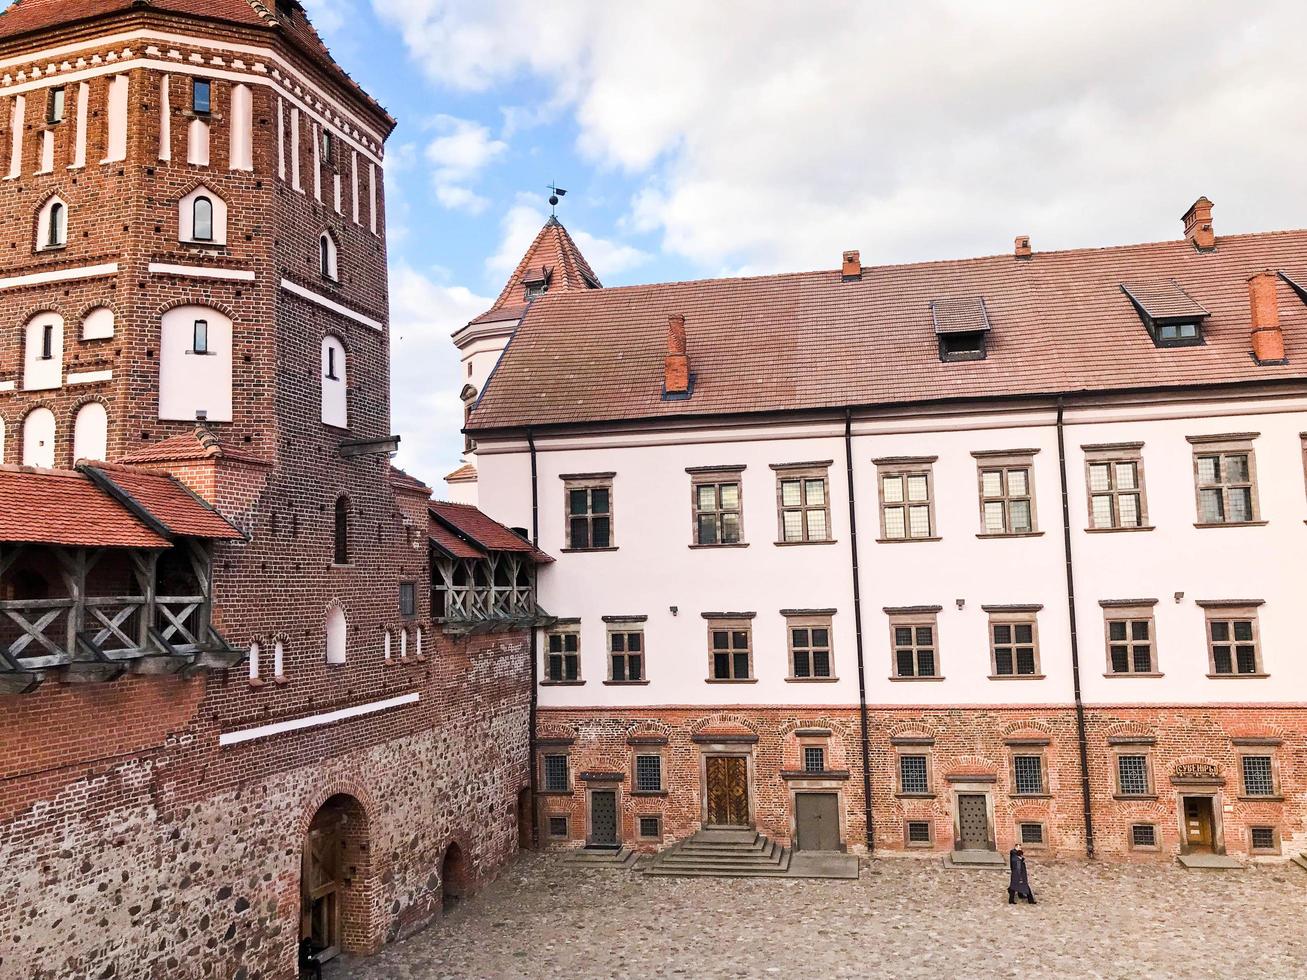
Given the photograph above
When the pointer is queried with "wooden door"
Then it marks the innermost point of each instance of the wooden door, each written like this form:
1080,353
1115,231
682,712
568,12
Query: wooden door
817,822
973,823
320,889
1198,822
603,818
728,791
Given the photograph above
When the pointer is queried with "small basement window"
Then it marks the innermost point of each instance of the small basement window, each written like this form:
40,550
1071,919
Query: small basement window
1170,315
962,325
651,827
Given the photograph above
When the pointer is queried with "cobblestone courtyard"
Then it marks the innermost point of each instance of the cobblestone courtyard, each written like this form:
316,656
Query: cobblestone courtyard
903,919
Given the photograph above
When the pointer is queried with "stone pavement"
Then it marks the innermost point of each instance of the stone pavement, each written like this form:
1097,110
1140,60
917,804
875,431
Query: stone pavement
902,919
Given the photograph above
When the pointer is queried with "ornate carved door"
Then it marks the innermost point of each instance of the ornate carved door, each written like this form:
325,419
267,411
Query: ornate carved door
973,823
728,791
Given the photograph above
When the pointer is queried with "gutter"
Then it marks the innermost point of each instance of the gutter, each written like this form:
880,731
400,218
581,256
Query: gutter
535,652
1075,635
857,626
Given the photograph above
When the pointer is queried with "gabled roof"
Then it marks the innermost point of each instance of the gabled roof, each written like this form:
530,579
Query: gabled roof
407,483
467,473
1162,300
1060,323
473,528
64,507
553,258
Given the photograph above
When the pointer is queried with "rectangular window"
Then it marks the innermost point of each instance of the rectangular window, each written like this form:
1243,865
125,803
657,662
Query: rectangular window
1115,475
589,512
914,779
1028,775
810,647
651,826
1258,776
1032,833
1007,501
918,833
717,507
1014,644
907,509
1143,835
55,108
557,826
803,503
563,656
1262,839
1130,647
649,773
1225,479
625,654
331,362
407,599
1232,641
556,777
47,342
914,639
1132,775
200,340
328,147
201,96
730,645
814,758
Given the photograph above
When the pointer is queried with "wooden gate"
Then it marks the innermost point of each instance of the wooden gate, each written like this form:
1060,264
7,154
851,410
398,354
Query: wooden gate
320,884
817,822
728,791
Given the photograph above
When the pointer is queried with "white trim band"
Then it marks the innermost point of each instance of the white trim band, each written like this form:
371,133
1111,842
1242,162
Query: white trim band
200,271
330,304
313,721
6,386
60,275
88,377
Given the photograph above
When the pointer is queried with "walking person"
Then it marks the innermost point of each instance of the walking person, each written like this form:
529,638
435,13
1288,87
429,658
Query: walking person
1018,883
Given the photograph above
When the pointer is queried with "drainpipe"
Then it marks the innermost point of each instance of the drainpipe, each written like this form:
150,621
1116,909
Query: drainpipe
535,686
1075,636
857,626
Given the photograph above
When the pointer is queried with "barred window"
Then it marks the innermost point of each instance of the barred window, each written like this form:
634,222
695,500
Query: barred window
1028,772
407,598
918,831
810,647
589,513
1130,647
730,647
1116,486
556,777
625,655
1007,500
803,504
1262,838
1143,835
557,826
913,775
1032,833
913,638
1014,646
1226,482
906,498
649,773
1232,640
651,826
563,657
717,511
1258,776
1132,775
814,758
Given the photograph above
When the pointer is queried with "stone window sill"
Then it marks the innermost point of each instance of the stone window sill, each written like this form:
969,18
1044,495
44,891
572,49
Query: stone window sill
281,680
800,544
584,551
553,792
1118,530
933,677
561,683
1011,534
1236,677
1134,797
1016,677
1031,796
1126,674
905,540
730,680
1260,799
624,683
730,544
915,796
1231,524
257,682
811,680
648,792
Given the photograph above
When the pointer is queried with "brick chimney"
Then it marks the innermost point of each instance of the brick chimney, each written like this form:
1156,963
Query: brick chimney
1023,247
852,270
1198,225
676,366
1267,337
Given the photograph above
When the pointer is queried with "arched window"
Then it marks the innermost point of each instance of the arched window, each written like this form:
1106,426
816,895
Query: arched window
52,225
202,224
335,399
341,556
192,387
327,255
98,324
336,632
385,647
418,651
43,352
91,432
278,659
403,644
254,661
38,438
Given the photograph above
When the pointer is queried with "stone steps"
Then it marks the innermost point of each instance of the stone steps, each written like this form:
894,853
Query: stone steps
724,854
600,857
1300,860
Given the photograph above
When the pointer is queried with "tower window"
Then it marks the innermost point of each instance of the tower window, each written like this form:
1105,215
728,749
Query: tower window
327,256
331,364
341,556
202,96
328,145
200,341
203,214
55,107
47,342
55,225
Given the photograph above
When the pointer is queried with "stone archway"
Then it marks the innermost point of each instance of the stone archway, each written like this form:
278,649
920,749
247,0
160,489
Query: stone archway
453,877
334,875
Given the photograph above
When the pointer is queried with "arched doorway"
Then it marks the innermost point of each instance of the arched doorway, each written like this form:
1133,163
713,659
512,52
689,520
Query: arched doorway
453,878
333,879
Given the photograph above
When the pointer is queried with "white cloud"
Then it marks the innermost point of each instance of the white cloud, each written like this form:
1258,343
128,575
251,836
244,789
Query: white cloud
458,154
424,382
940,128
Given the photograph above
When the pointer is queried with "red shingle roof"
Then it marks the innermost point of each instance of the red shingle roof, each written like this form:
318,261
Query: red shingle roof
553,255
450,543
1060,322
407,483
482,531
467,473
168,502
64,507
200,444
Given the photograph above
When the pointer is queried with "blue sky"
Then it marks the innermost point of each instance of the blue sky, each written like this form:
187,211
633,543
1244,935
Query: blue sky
701,139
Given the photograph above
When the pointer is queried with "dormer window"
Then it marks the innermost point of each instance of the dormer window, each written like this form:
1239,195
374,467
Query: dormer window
536,281
1169,314
961,325
535,289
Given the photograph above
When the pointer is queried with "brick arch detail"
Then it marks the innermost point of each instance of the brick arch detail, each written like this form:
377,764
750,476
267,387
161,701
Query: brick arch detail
724,719
76,406
1027,726
222,308
337,787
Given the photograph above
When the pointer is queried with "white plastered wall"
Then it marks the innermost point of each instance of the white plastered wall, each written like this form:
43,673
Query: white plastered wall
189,382
43,373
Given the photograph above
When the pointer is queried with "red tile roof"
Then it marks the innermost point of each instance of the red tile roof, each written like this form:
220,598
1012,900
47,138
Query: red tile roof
487,534
553,254
167,501
1060,322
64,507
467,473
450,543
407,483
200,444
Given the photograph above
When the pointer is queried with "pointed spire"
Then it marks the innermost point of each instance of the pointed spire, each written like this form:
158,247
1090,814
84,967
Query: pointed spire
552,264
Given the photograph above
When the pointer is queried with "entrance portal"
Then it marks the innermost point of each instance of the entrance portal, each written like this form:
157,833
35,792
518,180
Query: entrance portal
1198,832
453,878
817,822
334,856
728,791
973,823
603,818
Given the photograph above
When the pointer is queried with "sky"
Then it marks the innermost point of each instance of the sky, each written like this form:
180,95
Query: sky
700,139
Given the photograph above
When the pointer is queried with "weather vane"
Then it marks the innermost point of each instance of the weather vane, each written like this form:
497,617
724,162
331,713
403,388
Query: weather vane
555,192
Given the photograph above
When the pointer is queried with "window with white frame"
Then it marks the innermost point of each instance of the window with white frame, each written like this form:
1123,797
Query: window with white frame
195,382
336,629
91,432
202,218
327,260
43,352
38,438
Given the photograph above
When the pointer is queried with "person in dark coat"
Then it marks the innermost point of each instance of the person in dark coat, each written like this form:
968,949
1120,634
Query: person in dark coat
1018,884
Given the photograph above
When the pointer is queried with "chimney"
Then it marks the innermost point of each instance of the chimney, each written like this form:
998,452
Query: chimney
676,366
1198,225
1267,337
1023,247
852,270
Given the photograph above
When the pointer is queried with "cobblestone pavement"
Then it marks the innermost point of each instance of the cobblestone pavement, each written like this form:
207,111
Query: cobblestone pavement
904,919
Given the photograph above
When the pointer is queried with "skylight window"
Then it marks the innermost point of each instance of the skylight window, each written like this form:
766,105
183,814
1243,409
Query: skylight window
962,326
1170,315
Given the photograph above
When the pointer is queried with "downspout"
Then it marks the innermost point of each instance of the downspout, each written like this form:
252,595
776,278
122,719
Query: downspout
1075,636
857,627
535,686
